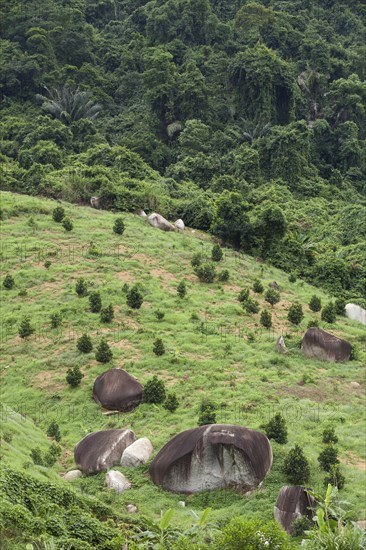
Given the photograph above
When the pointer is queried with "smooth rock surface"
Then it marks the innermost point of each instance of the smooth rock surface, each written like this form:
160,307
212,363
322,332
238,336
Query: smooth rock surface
156,220
117,481
73,474
117,390
323,345
281,346
292,503
131,509
99,451
138,453
179,224
356,313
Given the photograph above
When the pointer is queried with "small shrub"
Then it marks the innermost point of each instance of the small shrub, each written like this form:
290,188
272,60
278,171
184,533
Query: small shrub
93,250
58,214
339,306
355,353
258,287
295,314
84,344
95,302
292,278
251,306
329,436
74,376
197,259
206,273
81,287
103,352
216,253
8,282
67,224
25,328
171,402
53,453
56,320
266,318
154,391
251,534
125,288
335,477
272,296
134,298
313,323
328,458
296,466
107,314
223,276
36,456
276,429
158,347
23,292
53,430
328,314
182,289
47,264
118,226
243,295
301,525
159,315
315,303
207,414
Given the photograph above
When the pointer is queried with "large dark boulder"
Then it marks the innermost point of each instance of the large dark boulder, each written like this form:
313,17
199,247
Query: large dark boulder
292,503
216,456
117,390
99,451
322,345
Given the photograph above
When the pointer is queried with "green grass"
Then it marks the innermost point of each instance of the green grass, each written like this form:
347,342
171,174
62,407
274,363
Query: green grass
249,381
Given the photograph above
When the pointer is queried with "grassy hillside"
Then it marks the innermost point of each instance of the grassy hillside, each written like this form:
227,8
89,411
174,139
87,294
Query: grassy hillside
214,349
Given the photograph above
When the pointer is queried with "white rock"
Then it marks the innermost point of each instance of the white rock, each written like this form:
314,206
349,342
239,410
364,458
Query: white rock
117,481
281,346
355,385
156,220
182,504
73,474
179,224
141,213
136,454
356,313
131,508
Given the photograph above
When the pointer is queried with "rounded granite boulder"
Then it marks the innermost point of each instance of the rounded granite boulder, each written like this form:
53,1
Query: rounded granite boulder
117,390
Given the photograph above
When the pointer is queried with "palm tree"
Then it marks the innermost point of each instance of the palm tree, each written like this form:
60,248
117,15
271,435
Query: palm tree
69,105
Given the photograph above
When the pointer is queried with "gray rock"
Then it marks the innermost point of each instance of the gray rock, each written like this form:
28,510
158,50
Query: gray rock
141,213
274,285
356,313
136,454
179,224
215,456
131,509
73,474
182,504
99,451
156,220
116,481
292,503
322,345
95,202
117,390
281,346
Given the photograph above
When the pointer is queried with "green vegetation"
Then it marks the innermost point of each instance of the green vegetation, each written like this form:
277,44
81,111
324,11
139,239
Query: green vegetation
182,289
154,391
315,303
171,402
295,314
118,226
216,253
158,347
107,314
103,353
266,318
328,313
95,302
134,298
276,429
84,344
74,376
296,467
207,413
8,282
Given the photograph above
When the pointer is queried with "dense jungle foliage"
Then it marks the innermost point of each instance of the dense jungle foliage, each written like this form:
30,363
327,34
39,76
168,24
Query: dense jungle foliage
243,118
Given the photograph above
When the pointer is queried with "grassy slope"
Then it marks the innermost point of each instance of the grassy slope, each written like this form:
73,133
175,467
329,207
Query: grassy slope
249,381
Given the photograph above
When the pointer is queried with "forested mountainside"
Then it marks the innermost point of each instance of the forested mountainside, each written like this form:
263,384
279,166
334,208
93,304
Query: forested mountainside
244,118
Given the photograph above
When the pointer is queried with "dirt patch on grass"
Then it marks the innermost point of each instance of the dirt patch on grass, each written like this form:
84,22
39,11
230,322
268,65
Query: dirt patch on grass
314,393
355,461
126,276
164,275
44,381
131,352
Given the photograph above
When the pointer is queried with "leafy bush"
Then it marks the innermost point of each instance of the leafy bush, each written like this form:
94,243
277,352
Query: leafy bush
207,414
313,323
276,429
159,315
292,278
272,296
301,525
103,353
53,430
37,456
56,320
197,259
182,289
158,347
125,288
266,318
25,328
243,295
328,314
296,466
95,302
251,306
47,264
74,376
329,436
258,287
328,458
58,214
295,314
8,282
339,306
315,303
84,344
118,226
253,534
134,298
81,287
206,273
171,402
107,314
216,253
154,391
223,276
53,453
67,224
335,477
